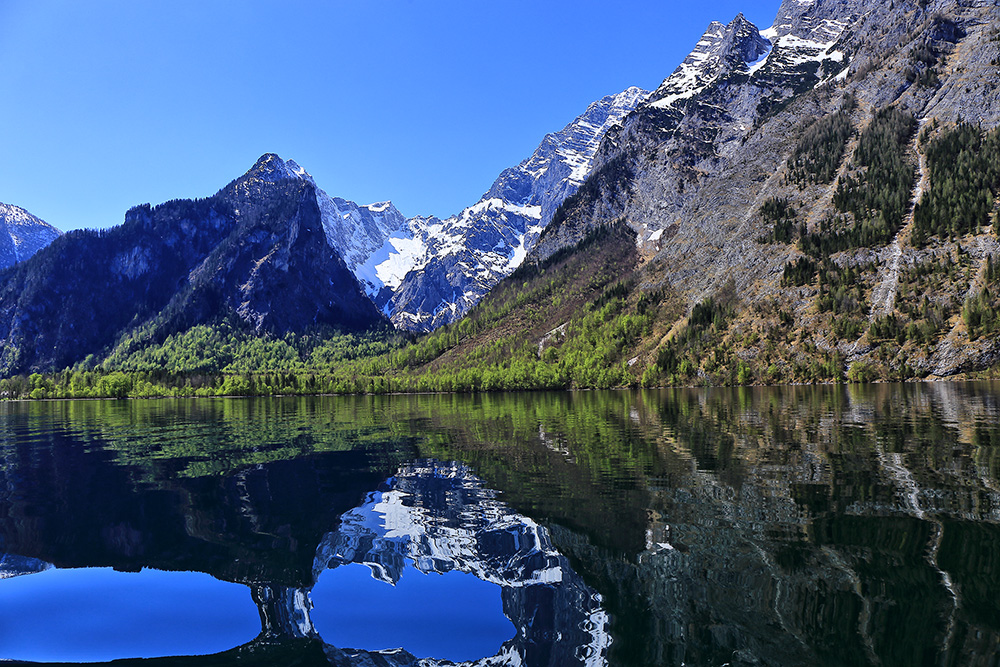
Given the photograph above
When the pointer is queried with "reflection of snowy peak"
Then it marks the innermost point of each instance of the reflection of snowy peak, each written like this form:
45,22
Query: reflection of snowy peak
13,565
22,234
432,271
438,517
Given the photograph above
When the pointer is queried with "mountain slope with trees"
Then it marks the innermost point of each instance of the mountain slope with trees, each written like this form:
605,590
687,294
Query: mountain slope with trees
255,254
812,202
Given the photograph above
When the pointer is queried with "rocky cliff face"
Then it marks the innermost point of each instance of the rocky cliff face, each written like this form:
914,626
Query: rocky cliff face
692,169
22,235
256,252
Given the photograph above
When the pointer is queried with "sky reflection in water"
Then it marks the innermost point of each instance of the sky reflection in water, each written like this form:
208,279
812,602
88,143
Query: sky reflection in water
353,609
97,614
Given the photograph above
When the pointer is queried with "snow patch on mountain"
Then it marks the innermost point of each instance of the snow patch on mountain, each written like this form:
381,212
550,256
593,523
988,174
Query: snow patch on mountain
762,60
22,234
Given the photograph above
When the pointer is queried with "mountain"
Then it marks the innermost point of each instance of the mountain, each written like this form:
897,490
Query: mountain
812,202
429,271
806,203
256,254
22,235
796,162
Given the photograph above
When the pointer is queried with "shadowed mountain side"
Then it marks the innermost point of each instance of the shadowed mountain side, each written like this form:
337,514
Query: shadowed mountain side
255,253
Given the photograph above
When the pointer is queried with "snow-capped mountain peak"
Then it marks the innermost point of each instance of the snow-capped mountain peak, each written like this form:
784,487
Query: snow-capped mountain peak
432,271
22,234
722,49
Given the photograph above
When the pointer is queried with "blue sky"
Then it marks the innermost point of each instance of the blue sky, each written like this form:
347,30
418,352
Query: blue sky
108,104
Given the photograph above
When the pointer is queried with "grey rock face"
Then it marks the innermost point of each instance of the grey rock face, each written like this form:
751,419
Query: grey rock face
690,169
22,234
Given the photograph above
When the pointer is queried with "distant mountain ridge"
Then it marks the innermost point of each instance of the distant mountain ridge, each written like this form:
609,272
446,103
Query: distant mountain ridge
430,271
22,234
423,272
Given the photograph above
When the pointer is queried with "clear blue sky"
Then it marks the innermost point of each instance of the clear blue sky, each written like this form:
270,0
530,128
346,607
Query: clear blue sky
111,103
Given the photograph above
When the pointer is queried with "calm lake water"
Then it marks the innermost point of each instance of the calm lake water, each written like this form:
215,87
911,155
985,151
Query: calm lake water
780,526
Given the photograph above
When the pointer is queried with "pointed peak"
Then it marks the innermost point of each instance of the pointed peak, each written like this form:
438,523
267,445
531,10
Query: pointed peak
13,215
741,24
271,168
266,160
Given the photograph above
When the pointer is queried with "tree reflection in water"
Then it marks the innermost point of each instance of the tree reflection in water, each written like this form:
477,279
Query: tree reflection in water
808,525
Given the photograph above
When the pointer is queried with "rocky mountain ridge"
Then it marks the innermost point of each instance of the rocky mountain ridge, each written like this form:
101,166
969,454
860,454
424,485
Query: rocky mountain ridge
431,271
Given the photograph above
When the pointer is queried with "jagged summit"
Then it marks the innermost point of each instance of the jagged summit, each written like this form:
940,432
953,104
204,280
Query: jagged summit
271,168
721,50
743,41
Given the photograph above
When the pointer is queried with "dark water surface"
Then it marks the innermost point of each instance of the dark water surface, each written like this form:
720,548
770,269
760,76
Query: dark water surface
783,526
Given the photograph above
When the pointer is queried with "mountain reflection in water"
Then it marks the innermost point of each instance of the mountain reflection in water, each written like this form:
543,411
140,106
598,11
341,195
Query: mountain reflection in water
814,525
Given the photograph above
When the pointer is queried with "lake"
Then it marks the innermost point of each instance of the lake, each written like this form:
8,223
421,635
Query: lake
836,525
